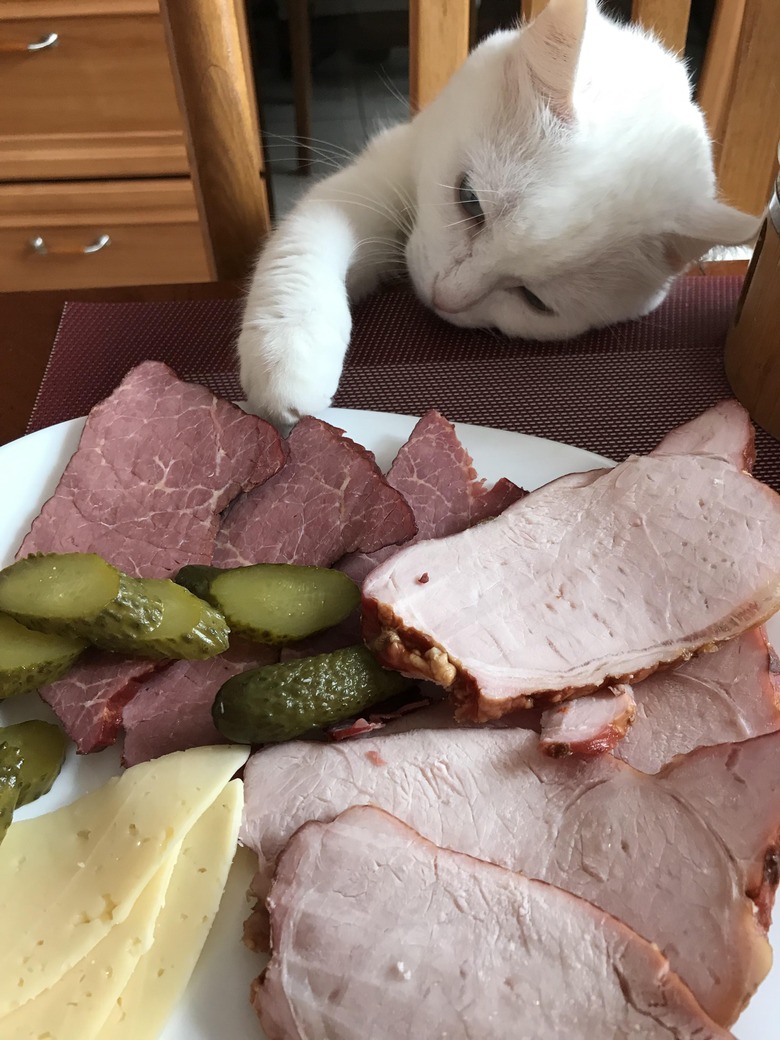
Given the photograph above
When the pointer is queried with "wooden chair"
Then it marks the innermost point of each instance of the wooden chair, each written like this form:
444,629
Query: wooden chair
207,41
739,89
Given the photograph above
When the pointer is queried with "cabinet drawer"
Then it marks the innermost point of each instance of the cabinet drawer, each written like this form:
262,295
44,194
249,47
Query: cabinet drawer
72,236
96,98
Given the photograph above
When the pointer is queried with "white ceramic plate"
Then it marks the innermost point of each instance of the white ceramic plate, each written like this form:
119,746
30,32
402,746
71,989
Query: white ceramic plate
216,1004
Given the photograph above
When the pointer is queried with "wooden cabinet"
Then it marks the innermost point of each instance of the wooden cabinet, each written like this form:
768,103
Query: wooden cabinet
85,234
92,149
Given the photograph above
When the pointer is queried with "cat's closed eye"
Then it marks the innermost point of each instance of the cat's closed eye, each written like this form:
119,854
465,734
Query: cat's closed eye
532,300
469,200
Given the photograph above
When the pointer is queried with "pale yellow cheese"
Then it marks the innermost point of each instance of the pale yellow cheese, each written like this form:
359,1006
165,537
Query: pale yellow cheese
76,1006
68,877
198,880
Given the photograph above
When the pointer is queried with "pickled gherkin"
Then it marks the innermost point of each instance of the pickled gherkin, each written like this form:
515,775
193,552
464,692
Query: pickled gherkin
196,577
283,701
41,748
80,596
275,602
31,659
10,768
190,628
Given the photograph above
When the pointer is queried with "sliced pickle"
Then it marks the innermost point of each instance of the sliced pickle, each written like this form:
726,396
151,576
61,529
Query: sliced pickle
41,747
190,627
10,768
31,659
275,602
78,595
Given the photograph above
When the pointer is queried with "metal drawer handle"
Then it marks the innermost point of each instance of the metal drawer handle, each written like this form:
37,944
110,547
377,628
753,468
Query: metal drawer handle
50,40
39,246
17,47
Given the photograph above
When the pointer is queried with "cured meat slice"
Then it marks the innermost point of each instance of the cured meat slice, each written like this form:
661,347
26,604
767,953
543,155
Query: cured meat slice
728,696
90,699
379,933
330,499
436,476
157,463
172,709
724,431
686,858
588,725
582,585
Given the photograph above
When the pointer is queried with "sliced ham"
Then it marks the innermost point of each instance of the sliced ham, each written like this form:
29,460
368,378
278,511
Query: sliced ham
157,463
582,585
379,933
728,696
688,858
589,725
329,499
723,431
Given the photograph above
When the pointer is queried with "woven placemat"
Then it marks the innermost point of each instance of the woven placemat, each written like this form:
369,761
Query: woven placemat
615,391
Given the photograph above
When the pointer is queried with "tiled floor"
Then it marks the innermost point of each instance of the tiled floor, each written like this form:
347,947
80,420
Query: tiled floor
350,102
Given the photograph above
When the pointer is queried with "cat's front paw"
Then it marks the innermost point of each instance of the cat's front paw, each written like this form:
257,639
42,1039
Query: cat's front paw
291,369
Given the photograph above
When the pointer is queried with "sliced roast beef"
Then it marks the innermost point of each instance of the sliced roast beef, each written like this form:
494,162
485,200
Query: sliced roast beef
588,725
715,698
90,699
379,933
330,499
172,709
156,464
676,856
436,476
582,585
724,431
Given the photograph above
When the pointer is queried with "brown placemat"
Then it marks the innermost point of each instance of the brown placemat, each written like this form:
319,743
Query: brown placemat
615,391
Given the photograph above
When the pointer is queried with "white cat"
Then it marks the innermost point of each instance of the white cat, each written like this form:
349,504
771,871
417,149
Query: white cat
560,182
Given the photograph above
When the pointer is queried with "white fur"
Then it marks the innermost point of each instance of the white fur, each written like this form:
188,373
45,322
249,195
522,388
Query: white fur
594,171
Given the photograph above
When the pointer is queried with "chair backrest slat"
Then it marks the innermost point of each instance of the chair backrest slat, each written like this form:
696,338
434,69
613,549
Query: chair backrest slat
209,54
668,19
438,45
747,125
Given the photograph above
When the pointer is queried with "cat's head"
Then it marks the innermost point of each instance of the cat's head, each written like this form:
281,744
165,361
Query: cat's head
564,179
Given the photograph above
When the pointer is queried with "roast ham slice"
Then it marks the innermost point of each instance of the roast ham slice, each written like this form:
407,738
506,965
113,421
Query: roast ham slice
582,584
723,431
728,696
379,933
687,858
588,725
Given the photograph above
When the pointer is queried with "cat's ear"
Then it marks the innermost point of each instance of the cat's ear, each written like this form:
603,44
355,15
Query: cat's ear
550,47
712,223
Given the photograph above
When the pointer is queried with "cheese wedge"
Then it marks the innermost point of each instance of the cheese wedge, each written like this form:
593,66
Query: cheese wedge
198,880
75,1007
68,877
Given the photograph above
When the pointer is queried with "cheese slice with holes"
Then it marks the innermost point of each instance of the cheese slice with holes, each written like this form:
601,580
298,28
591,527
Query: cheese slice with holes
67,878
80,1001
198,880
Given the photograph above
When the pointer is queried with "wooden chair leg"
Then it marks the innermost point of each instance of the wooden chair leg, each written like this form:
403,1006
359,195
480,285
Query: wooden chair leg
300,57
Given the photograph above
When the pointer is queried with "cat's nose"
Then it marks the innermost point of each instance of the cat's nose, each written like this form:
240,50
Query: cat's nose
448,304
